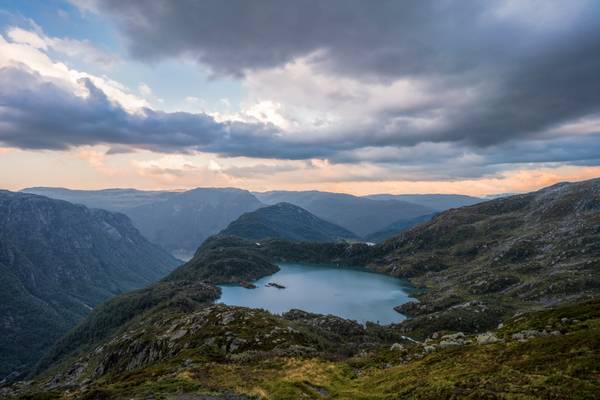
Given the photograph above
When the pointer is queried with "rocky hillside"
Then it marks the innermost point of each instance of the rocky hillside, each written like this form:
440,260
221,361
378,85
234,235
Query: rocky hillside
57,262
219,352
286,221
509,254
359,215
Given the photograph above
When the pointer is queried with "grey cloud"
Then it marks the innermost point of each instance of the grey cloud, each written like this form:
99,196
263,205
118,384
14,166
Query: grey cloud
381,38
260,170
37,114
529,78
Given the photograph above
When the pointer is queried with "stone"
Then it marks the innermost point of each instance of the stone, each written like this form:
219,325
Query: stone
487,338
455,336
397,347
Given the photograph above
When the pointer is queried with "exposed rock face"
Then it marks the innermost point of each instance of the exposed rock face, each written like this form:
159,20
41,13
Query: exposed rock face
216,332
58,261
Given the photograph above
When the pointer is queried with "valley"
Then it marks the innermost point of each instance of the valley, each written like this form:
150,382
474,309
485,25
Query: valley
499,286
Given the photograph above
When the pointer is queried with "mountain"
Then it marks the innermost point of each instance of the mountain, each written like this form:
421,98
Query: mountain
57,262
181,223
359,215
107,199
395,228
437,202
520,252
177,221
286,221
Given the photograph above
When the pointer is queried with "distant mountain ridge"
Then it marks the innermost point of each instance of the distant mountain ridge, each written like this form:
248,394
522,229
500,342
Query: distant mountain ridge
180,221
359,215
177,221
397,227
58,261
437,202
286,221
106,199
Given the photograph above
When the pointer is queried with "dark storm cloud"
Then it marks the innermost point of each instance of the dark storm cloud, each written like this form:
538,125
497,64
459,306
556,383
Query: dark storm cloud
530,72
382,38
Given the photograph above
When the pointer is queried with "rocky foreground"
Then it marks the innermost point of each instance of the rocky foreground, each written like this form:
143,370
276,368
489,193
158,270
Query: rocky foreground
221,352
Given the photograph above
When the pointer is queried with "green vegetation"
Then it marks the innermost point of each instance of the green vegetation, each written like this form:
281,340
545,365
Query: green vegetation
548,354
286,221
58,261
177,221
359,215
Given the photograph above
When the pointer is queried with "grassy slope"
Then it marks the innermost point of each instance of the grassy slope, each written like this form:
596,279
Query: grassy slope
565,366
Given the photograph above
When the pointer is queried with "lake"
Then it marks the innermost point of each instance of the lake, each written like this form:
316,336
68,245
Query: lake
348,292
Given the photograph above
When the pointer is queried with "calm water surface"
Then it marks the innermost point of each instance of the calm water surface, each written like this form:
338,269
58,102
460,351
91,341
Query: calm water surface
352,293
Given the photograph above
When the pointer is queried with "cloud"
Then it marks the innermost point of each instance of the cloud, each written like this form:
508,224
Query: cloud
30,54
72,48
145,90
39,114
36,113
477,72
350,91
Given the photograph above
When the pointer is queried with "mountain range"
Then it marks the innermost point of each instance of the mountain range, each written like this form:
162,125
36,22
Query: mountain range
177,221
511,284
180,221
437,202
359,215
57,262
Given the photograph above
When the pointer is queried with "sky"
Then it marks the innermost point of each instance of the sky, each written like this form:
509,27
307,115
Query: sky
472,97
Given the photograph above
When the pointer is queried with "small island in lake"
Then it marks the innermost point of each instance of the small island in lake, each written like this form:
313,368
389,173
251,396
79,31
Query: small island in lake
247,285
